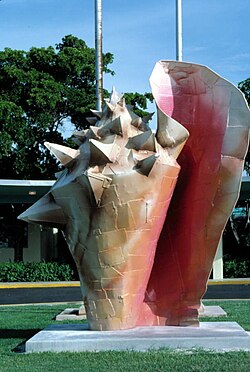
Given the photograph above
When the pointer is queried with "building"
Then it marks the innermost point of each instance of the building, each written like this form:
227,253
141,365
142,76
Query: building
34,243
19,240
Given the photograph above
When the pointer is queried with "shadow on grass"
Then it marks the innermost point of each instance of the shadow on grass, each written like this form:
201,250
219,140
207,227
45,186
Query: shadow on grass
25,334
17,333
20,348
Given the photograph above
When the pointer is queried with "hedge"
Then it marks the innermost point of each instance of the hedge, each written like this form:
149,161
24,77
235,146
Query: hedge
53,271
236,268
35,272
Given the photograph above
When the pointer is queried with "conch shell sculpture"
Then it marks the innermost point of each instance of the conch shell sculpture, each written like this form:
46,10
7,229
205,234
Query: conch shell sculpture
111,202
112,198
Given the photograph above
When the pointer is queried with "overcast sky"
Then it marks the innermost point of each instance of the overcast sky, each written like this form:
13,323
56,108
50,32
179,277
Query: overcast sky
138,33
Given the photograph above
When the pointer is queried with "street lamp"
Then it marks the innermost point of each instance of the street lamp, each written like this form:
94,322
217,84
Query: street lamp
179,30
98,53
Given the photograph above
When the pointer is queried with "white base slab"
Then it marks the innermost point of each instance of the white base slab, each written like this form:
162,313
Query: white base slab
70,314
211,311
217,336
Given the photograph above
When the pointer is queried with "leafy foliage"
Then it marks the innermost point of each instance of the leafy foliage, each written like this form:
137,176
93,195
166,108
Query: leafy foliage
139,102
244,86
236,268
35,272
39,90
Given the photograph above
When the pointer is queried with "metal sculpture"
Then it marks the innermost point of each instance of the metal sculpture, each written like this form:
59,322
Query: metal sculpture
111,202
112,198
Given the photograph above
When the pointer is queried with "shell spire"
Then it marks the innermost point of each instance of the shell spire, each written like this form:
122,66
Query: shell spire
170,134
64,154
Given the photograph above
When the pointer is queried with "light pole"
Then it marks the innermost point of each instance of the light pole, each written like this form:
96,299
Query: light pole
179,30
98,53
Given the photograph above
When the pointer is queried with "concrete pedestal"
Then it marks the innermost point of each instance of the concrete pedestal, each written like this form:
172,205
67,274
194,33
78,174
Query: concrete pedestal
211,311
217,336
71,314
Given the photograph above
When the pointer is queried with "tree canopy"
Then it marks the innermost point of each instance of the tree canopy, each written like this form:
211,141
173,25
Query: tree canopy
39,90
244,86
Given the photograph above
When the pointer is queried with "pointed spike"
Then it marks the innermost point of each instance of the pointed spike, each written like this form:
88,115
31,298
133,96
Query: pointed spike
115,97
81,134
139,124
112,127
98,182
170,134
129,107
144,127
136,122
77,141
45,211
91,120
143,141
131,159
101,153
110,107
64,154
98,114
59,174
93,132
122,102
145,166
148,117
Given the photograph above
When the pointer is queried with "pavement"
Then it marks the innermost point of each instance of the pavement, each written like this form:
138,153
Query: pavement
66,292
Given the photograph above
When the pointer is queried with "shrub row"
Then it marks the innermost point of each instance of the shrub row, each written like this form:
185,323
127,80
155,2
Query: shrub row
53,271
236,268
35,272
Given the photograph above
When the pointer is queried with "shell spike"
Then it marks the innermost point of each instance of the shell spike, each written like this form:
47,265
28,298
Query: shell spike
145,166
170,134
64,154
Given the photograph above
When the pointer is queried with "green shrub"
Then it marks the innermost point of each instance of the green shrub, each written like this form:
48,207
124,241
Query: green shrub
236,268
35,272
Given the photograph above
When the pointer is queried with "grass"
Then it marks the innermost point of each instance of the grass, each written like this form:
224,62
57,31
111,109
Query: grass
20,323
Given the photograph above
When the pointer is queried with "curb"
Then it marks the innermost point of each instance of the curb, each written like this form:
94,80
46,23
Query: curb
77,283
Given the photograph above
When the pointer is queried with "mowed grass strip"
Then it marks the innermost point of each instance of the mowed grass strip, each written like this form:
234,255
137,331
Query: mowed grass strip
18,323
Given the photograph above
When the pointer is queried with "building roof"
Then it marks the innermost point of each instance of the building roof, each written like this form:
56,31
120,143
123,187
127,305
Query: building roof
29,191
23,191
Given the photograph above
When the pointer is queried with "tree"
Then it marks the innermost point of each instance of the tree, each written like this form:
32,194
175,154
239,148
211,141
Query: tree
244,86
39,91
236,235
139,103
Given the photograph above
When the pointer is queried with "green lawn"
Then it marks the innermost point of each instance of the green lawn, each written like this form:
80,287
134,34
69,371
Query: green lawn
19,323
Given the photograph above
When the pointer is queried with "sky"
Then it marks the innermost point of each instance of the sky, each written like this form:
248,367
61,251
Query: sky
138,33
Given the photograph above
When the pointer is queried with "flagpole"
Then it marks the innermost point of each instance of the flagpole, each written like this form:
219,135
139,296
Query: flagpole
98,54
179,30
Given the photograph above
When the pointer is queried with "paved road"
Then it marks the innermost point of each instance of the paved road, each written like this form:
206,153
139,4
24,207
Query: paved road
30,293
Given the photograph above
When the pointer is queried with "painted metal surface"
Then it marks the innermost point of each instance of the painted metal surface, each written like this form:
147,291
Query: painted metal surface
137,266
217,117
111,202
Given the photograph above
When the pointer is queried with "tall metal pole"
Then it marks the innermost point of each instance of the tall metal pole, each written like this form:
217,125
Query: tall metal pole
179,30
98,53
